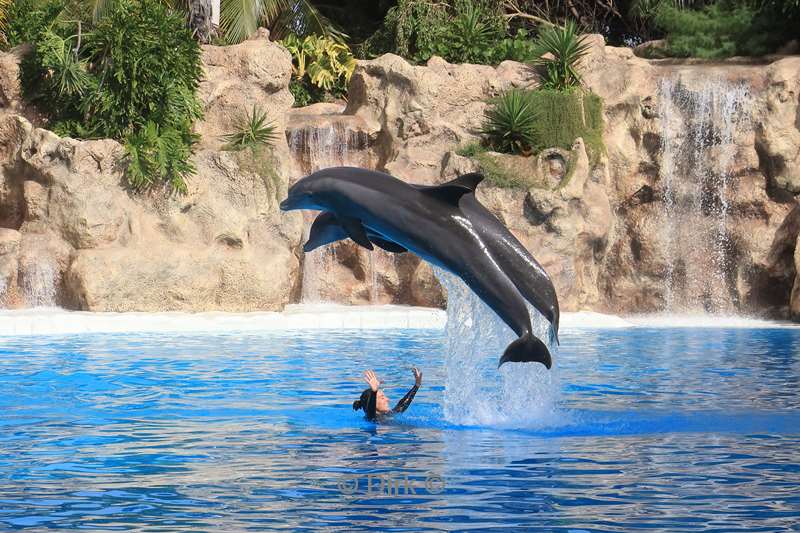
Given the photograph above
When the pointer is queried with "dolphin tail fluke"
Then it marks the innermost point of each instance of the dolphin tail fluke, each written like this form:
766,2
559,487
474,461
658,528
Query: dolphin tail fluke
527,349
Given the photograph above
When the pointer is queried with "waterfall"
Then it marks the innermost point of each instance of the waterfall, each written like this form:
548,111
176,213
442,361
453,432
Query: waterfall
317,142
526,393
329,144
38,281
700,122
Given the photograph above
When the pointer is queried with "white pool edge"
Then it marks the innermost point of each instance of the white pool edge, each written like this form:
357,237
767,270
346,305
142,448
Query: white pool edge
55,321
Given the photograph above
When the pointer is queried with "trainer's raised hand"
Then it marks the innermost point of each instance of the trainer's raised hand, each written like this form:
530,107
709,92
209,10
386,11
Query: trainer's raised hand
417,375
372,380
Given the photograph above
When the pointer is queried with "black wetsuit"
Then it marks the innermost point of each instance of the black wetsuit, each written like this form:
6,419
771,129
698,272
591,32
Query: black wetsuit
402,405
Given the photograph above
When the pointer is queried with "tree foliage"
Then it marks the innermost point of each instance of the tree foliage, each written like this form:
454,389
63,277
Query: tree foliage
131,77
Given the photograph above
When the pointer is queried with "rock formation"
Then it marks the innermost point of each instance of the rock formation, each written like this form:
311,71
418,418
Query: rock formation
607,228
75,236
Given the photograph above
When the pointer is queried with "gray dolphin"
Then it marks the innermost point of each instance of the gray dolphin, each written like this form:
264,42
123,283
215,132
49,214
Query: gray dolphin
444,225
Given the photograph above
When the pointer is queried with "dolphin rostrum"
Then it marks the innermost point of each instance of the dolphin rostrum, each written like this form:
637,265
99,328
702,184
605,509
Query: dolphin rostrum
445,225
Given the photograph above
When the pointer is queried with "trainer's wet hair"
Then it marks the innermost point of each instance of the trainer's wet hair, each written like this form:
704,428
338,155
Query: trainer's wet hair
362,402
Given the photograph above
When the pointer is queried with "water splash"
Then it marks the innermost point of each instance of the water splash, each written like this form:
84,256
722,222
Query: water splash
526,394
700,124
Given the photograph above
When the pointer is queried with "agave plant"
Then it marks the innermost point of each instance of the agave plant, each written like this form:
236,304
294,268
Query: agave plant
565,49
253,130
510,122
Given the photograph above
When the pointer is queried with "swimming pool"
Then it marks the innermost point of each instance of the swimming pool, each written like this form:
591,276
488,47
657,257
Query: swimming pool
658,428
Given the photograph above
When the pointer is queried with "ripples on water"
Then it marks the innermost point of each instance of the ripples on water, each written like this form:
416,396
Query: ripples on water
660,429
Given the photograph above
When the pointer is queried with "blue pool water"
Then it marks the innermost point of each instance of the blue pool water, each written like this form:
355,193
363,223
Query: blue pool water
660,429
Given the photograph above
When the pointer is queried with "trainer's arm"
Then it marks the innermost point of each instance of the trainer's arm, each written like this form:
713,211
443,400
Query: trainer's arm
403,404
371,410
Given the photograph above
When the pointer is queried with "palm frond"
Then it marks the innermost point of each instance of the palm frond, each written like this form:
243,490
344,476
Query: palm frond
239,19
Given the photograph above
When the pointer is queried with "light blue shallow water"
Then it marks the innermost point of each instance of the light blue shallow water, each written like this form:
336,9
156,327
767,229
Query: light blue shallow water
658,429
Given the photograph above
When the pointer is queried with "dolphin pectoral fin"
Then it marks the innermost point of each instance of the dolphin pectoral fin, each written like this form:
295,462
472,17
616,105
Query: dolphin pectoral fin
325,230
355,230
527,349
389,246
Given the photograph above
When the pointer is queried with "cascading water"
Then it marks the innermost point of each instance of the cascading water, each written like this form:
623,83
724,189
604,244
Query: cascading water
700,122
38,281
329,145
526,393
322,141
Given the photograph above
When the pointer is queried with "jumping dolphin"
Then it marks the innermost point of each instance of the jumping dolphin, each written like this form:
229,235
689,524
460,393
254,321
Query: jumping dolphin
444,225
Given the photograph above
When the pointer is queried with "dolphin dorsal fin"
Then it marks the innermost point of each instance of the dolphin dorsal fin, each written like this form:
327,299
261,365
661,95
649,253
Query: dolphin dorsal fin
355,230
452,191
470,181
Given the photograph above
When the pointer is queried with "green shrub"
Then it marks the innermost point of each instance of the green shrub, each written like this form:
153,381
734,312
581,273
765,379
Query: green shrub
565,116
495,173
460,31
566,49
472,35
159,155
715,31
321,67
133,78
252,131
410,29
149,68
521,121
25,19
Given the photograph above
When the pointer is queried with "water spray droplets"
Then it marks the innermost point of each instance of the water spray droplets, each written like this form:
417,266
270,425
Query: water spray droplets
525,395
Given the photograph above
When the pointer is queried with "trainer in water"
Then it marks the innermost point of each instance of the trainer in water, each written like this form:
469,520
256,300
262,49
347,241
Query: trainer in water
446,226
375,403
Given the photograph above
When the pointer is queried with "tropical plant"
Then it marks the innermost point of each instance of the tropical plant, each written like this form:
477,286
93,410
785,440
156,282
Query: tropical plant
252,130
159,154
523,121
61,77
560,52
410,29
472,34
25,19
510,122
320,66
325,59
133,78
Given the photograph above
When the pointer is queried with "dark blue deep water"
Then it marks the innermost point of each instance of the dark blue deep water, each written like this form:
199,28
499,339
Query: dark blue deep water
658,429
